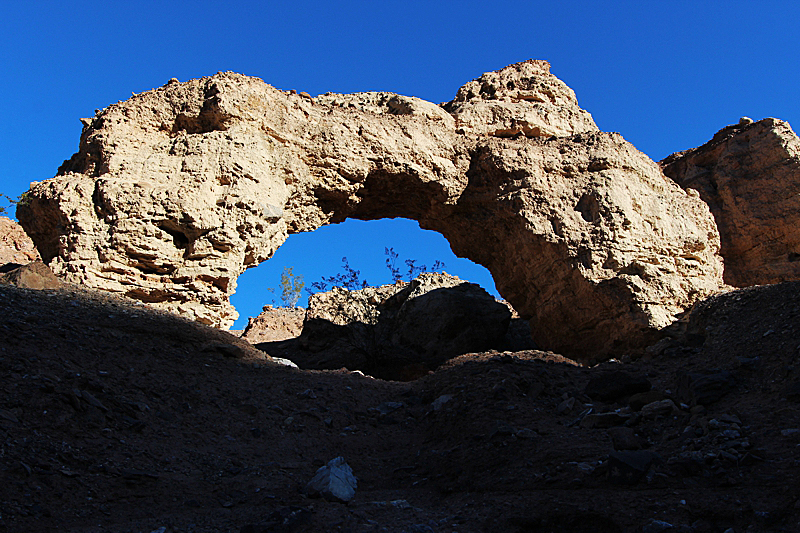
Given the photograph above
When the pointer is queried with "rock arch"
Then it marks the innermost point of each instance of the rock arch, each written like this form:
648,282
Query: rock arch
176,191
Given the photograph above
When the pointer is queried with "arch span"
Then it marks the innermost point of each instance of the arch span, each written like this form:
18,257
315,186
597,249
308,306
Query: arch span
176,191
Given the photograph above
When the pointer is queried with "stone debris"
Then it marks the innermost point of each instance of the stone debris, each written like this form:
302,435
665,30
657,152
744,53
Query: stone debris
334,482
604,420
639,400
657,526
284,520
234,439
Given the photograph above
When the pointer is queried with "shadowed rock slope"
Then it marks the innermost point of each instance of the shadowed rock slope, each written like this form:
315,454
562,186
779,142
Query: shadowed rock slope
116,417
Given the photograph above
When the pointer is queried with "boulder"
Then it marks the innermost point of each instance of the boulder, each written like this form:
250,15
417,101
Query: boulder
384,330
35,275
15,245
749,175
334,482
583,234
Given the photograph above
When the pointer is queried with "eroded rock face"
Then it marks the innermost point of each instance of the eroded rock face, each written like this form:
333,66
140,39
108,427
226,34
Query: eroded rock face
178,190
749,174
15,245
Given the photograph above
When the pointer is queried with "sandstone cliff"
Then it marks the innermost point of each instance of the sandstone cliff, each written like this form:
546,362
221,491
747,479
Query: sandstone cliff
749,175
176,191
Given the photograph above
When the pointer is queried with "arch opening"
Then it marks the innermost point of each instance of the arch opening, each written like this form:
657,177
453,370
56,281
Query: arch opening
319,253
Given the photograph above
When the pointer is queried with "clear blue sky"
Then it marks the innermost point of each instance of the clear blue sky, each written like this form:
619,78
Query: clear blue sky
666,75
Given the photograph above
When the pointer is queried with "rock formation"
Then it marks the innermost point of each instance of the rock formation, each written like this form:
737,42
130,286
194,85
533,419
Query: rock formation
176,191
15,245
393,330
274,324
749,175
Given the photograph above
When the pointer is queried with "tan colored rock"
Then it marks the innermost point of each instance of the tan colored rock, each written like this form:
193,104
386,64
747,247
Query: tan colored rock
274,324
521,99
749,175
15,245
577,226
176,191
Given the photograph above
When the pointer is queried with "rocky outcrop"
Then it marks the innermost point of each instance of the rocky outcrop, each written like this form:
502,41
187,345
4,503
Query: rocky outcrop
523,99
176,191
749,175
274,324
15,245
391,330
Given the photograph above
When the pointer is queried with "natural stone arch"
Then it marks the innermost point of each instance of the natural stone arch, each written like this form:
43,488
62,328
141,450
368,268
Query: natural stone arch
176,191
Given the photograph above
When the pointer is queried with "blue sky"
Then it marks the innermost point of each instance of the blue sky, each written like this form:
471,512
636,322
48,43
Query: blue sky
666,75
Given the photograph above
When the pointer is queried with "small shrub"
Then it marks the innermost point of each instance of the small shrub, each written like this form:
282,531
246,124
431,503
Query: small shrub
413,270
291,287
350,279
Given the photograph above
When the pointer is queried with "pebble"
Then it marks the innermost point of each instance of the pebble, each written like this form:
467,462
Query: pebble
565,406
307,394
439,402
659,408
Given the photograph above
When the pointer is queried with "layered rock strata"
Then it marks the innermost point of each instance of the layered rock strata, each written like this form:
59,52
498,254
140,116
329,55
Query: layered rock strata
176,191
749,175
